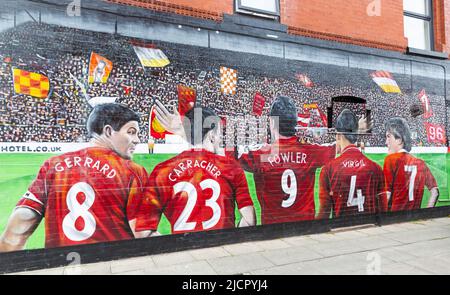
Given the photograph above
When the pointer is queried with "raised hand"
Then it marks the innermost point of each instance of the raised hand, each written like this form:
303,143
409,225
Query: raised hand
170,121
364,126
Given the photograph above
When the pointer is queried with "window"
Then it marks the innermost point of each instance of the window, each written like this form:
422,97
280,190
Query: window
263,8
418,23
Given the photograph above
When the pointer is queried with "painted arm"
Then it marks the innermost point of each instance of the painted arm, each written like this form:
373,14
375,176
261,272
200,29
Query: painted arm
434,195
21,224
248,216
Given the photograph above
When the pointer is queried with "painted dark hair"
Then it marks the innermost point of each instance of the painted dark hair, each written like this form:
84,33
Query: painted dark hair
347,123
284,108
113,114
209,121
399,128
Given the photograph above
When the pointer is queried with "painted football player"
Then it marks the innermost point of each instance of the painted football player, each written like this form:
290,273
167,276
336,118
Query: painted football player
199,189
406,176
87,196
351,184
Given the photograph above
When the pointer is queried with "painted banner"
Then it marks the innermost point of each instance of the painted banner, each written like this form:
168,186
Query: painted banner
228,80
186,99
305,80
386,81
435,133
317,117
423,97
258,104
99,68
29,83
303,120
151,57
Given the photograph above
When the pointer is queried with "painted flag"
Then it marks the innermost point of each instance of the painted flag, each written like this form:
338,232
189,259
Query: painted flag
99,68
303,120
186,99
424,99
435,133
126,89
151,57
386,81
319,118
228,80
258,104
302,78
157,131
29,83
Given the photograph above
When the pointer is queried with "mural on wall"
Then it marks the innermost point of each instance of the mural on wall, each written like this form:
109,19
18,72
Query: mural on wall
271,156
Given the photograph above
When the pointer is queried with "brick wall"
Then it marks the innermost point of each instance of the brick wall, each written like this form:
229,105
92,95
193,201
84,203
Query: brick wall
337,20
442,26
348,22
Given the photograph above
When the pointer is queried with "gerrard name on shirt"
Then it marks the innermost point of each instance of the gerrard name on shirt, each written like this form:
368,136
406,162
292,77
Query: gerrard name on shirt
72,162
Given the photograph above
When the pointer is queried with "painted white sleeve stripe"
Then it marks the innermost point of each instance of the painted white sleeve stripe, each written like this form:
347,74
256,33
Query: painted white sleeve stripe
30,196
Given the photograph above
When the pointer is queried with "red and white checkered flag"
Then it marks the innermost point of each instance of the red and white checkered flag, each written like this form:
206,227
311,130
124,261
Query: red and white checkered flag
228,80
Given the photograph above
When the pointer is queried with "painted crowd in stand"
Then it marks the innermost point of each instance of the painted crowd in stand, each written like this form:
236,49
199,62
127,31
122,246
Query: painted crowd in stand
241,115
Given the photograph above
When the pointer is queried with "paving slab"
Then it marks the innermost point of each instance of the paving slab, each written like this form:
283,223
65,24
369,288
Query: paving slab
299,241
289,269
272,244
395,255
173,258
291,255
346,264
126,265
401,268
377,242
426,248
431,264
239,264
413,236
243,248
191,268
336,248
209,253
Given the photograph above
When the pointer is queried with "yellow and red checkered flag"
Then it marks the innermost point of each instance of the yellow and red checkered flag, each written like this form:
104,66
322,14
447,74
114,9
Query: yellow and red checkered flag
30,83
228,80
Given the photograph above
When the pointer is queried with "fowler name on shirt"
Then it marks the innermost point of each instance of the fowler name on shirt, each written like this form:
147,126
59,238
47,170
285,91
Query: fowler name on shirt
88,162
188,164
289,157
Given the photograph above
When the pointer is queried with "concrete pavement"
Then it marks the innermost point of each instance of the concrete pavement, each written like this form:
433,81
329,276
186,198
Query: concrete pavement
420,247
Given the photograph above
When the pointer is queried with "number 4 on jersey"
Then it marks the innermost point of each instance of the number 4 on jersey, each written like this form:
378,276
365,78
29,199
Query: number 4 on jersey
359,200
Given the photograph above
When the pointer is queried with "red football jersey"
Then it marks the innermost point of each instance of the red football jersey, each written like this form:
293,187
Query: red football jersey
406,177
87,196
196,190
350,184
284,175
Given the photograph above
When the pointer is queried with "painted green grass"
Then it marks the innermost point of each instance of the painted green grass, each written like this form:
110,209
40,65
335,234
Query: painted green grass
17,171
